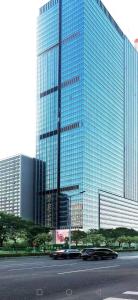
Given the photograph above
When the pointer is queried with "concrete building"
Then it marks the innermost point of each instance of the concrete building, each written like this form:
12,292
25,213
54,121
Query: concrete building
17,186
87,116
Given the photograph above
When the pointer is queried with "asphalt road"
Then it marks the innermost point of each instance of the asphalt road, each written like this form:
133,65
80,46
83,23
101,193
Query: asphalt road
43,278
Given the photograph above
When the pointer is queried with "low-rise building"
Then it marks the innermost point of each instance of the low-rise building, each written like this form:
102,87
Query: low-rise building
17,186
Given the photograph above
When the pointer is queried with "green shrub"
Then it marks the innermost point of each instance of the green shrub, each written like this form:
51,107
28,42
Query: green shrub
2,255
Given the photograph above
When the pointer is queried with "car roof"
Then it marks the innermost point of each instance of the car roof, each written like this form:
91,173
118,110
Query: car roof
92,248
71,250
97,248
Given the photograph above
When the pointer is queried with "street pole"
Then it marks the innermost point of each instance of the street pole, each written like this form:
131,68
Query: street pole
69,222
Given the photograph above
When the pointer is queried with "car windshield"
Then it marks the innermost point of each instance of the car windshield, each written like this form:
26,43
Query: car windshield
71,250
87,250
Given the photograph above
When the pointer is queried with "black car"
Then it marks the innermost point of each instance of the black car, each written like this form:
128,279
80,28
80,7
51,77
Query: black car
68,253
98,254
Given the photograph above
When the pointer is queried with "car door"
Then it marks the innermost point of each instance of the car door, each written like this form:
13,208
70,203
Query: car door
68,254
74,254
107,254
98,254
77,254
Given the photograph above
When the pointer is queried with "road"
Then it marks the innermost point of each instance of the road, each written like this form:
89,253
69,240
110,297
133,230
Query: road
34,278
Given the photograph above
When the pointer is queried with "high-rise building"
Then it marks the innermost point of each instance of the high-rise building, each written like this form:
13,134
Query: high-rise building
17,186
87,116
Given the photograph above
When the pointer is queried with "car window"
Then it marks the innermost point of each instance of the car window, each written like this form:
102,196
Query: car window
106,249
89,250
108,252
71,250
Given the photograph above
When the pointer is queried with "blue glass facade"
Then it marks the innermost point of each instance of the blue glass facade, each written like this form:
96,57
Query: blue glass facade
131,122
87,111
104,108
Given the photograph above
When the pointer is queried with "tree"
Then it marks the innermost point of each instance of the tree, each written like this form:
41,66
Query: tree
123,231
14,227
121,239
120,234
3,234
95,239
109,241
107,233
8,223
77,236
35,230
135,239
130,239
66,240
15,235
93,231
42,239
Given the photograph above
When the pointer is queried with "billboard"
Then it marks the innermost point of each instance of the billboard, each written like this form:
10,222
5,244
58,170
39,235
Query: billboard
61,234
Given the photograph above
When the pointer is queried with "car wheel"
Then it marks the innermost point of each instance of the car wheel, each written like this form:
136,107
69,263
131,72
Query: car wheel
114,256
85,258
55,258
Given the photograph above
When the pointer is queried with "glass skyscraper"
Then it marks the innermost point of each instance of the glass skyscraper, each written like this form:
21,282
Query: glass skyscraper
87,118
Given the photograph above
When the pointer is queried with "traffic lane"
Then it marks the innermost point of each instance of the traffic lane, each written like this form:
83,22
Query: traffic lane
35,264
96,284
105,293
28,275
51,284
129,253
23,260
56,289
44,265
60,267
28,264
40,260
23,285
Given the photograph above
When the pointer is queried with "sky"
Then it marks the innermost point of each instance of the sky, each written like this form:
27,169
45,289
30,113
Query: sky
18,68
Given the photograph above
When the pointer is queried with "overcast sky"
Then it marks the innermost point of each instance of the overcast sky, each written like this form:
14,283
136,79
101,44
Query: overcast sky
18,68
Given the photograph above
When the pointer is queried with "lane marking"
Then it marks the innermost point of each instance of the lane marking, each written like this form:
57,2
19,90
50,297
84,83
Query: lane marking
128,257
112,298
16,265
40,267
131,293
85,270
